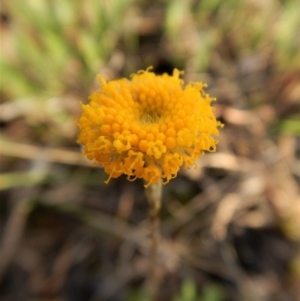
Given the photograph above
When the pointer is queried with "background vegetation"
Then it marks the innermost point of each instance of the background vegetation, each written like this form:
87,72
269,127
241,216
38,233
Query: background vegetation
230,229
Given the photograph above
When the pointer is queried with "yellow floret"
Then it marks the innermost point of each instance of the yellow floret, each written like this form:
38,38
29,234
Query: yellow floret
148,127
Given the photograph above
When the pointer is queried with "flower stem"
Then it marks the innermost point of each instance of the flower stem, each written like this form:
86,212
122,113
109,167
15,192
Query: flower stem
153,193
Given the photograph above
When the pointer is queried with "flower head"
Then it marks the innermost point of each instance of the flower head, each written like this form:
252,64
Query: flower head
147,127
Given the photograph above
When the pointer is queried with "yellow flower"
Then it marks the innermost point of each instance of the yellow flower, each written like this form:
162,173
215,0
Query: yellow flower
148,127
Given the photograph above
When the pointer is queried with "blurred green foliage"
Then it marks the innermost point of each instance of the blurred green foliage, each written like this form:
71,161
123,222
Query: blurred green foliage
252,26
188,292
57,47
288,127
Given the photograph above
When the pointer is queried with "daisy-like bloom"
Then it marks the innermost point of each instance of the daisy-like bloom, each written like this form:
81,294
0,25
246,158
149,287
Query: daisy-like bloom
148,127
